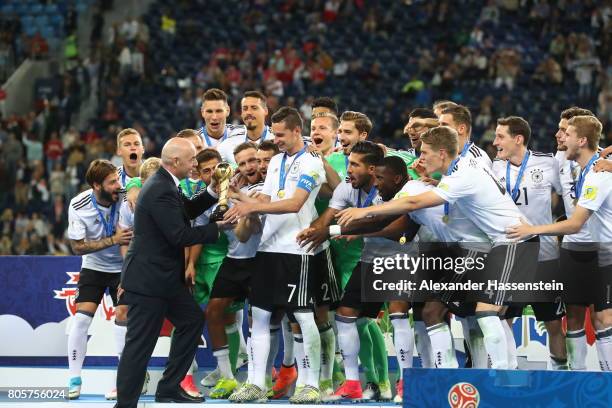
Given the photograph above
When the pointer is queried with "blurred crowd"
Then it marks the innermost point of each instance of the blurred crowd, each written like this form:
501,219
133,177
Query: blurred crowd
43,156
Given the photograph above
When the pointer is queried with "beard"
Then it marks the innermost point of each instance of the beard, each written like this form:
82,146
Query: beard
106,196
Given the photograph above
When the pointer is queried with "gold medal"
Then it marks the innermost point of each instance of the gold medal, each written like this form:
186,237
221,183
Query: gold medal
402,240
281,193
445,219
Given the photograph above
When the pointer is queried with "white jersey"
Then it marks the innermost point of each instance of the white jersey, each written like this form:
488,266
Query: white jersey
481,197
569,171
345,196
459,228
479,155
84,223
305,172
229,132
533,199
235,248
596,196
226,147
124,178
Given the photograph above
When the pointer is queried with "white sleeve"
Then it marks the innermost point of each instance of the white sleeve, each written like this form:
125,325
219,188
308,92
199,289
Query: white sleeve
595,191
76,226
341,198
455,186
126,217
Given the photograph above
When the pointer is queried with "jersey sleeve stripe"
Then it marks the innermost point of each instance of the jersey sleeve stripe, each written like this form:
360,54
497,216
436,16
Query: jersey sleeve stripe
81,204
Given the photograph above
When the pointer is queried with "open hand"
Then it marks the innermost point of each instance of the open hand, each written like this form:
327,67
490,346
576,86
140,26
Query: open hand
519,231
312,237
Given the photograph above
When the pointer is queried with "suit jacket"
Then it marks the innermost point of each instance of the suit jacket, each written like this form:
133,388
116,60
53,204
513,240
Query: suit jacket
155,261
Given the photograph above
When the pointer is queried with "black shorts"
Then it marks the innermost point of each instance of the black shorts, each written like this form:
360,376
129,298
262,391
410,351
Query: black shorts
543,311
352,293
328,288
581,271
456,300
506,263
283,281
603,294
233,279
92,285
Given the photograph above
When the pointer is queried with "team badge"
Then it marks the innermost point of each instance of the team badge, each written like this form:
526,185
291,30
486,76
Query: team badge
537,176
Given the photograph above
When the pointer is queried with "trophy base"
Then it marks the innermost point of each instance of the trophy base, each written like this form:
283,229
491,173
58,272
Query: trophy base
219,213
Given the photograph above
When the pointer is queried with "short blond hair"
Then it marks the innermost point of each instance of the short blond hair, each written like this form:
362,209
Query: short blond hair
125,132
148,167
442,138
187,133
589,127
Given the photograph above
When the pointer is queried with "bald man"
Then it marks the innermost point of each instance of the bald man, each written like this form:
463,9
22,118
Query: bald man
153,277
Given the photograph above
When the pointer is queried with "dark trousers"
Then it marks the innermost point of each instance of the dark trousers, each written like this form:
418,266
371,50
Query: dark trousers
145,319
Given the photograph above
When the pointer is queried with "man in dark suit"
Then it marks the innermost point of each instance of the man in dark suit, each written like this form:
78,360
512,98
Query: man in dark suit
153,277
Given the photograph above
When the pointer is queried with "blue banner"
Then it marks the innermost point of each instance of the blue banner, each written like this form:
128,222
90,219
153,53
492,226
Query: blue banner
459,388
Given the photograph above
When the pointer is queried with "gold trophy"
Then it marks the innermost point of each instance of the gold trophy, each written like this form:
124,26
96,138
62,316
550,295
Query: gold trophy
222,176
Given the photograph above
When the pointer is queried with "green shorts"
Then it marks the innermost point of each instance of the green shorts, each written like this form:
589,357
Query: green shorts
205,277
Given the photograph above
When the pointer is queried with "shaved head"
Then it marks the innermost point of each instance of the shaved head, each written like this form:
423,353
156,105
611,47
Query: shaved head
178,157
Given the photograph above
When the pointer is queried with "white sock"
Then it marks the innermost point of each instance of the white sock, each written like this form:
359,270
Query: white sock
288,342
348,339
119,330
250,362
239,323
312,347
403,340
193,368
298,348
328,351
494,338
480,358
260,343
223,362
442,346
510,344
77,342
604,348
575,341
423,344
274,341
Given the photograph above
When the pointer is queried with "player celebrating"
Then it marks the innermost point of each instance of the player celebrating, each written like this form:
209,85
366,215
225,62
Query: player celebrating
131,150
358,190
419,121
215,110
459,118
594,204
293,182
578,251
233,279
531,177
93,233
254,112
480,196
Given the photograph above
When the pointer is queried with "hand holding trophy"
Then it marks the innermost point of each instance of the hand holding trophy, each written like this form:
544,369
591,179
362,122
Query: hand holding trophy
222,176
